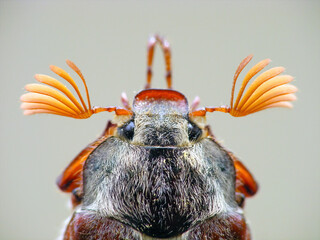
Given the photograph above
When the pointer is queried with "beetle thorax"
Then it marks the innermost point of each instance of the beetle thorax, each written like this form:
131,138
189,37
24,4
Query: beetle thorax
159,191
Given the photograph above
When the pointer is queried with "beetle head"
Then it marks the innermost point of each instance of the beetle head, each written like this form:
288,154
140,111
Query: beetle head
160,118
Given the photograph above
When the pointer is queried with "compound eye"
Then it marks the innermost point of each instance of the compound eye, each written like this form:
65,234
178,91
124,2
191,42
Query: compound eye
194,132
127,130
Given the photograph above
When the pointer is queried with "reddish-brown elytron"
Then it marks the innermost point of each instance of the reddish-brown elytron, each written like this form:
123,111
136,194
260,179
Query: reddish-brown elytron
157,171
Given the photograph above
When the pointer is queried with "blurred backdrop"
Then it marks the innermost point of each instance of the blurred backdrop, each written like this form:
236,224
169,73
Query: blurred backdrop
107,40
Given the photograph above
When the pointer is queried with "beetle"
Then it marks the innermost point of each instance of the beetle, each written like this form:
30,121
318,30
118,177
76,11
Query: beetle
157,171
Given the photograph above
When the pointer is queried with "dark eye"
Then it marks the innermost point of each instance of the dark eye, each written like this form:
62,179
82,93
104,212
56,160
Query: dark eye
194,131
127,130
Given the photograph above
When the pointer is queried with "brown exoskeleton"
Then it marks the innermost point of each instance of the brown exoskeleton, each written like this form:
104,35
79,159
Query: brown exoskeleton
157,171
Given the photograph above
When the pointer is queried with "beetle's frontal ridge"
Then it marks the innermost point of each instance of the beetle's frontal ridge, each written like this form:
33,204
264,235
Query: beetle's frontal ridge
155,99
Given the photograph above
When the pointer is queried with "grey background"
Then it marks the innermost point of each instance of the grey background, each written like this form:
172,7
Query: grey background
107,40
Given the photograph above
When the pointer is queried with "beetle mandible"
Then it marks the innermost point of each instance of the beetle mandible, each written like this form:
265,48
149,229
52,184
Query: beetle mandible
157,171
